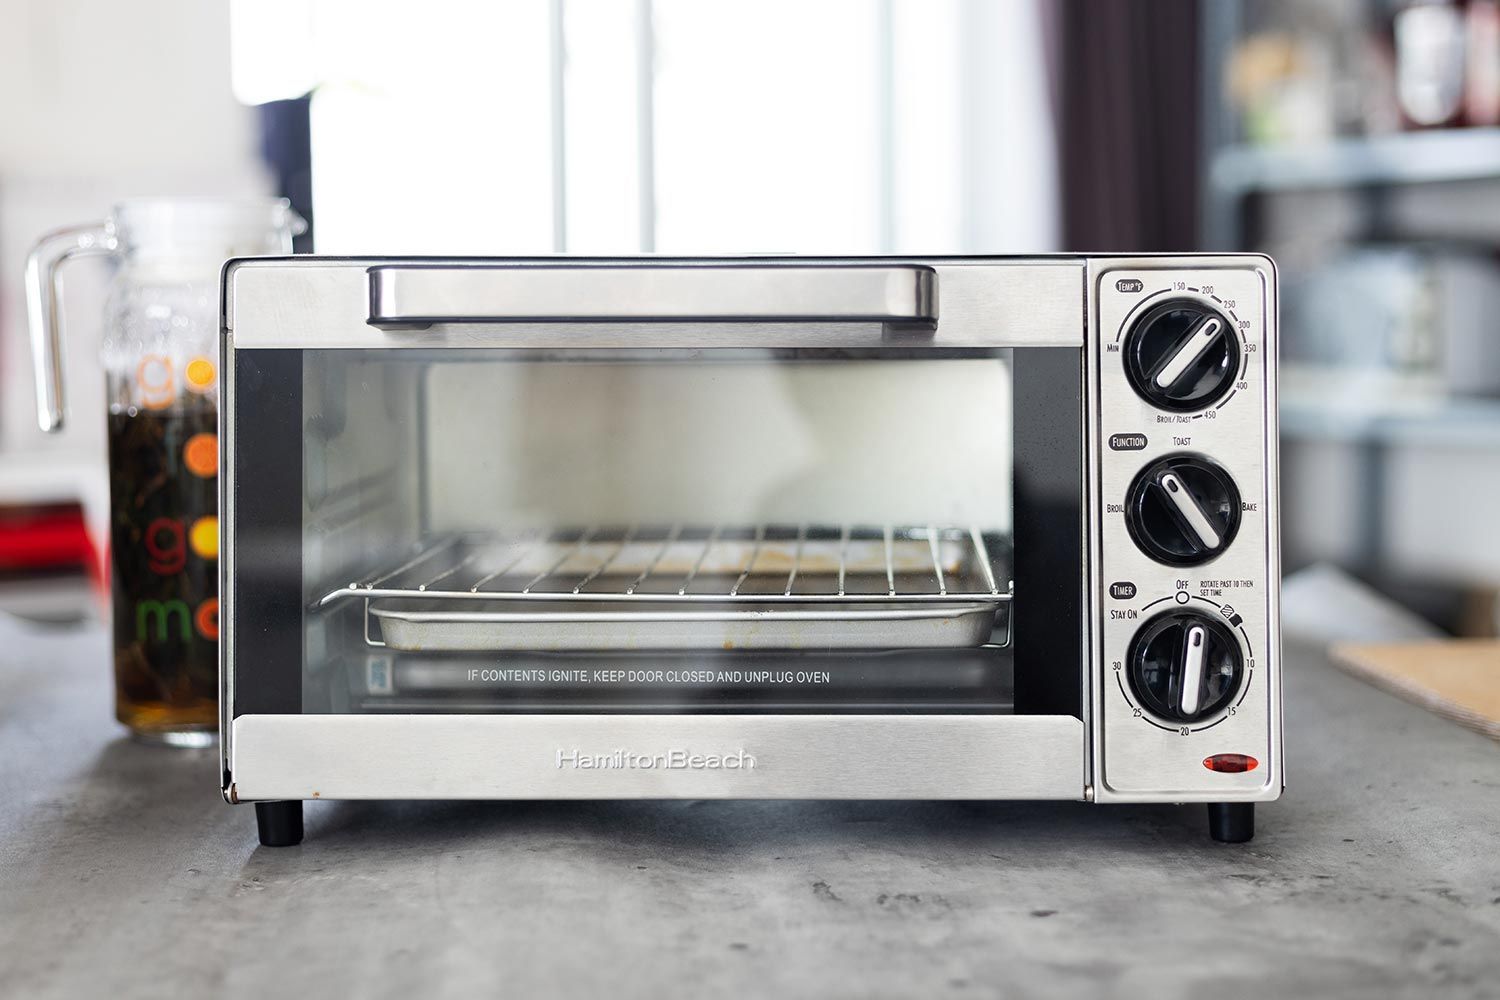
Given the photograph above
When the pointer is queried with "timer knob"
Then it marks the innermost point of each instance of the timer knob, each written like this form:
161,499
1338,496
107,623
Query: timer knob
1185,666
1182,510
1182,355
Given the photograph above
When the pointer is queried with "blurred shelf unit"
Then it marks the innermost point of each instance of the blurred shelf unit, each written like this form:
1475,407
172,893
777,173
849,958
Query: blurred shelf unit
1404,495
1430,156
1448,423
1390,385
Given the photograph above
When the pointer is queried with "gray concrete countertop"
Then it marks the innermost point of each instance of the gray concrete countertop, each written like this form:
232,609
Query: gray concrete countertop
123,873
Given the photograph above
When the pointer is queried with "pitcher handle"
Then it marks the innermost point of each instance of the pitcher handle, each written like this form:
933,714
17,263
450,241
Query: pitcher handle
44,315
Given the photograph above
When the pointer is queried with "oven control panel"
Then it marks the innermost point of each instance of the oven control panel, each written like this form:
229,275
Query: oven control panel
1187,692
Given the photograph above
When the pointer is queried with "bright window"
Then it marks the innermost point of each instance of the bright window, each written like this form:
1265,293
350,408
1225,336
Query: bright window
676,126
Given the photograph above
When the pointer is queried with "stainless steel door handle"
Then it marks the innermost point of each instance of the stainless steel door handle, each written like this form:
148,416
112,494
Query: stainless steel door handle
416,296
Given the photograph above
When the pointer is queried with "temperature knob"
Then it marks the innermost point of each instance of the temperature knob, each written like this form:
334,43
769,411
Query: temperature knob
1183,510
1182,355
1185,666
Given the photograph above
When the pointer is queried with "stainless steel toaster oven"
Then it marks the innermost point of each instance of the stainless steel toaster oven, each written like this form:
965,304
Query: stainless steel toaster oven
762,527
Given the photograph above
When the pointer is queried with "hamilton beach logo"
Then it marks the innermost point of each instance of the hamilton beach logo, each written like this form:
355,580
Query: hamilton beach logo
677,759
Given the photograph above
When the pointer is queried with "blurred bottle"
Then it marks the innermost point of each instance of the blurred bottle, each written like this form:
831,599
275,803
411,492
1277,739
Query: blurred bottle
1430,46
1282,84
1482,63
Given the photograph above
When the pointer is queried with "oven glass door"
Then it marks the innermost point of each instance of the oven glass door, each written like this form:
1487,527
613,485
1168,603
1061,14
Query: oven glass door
662,531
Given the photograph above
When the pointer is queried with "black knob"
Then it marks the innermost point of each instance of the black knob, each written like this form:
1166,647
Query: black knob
1185,666
1182,510
1182,355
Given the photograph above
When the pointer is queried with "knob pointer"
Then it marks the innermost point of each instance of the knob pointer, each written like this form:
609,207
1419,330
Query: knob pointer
1190,351
1184,503
1192,671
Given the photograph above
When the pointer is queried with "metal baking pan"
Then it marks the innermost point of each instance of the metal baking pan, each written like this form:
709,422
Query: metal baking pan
417,626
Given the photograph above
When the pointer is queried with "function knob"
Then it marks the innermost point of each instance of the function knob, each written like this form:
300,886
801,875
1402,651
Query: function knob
1182,355
1185,666
1182,510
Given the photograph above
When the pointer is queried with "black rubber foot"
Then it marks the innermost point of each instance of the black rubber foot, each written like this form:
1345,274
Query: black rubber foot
1231,822
280,823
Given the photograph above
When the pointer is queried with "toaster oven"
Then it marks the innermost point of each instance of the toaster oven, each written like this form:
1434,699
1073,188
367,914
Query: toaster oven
761,527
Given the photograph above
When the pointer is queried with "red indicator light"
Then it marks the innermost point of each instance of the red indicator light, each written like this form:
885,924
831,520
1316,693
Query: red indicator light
1231,763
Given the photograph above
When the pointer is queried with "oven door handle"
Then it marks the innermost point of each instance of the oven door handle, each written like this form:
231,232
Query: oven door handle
404,296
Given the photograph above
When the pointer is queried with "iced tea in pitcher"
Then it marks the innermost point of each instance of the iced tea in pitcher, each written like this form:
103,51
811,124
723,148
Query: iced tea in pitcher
164,547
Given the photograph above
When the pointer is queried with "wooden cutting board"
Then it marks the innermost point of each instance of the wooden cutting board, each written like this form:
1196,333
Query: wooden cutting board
1456,678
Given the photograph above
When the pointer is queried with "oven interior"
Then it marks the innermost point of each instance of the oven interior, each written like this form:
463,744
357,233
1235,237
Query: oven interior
488,530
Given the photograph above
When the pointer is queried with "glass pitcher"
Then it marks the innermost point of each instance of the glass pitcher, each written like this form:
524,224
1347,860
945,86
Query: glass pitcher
161,357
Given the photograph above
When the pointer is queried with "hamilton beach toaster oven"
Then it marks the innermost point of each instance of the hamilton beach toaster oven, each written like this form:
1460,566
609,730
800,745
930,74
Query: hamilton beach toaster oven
762,527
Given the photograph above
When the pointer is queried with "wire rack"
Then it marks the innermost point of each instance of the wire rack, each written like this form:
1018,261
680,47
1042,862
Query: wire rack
766,564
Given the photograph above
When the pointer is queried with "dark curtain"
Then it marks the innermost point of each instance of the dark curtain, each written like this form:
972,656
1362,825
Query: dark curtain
1128,91
286,148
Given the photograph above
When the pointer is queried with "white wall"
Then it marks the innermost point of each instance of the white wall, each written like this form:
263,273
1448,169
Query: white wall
104,100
